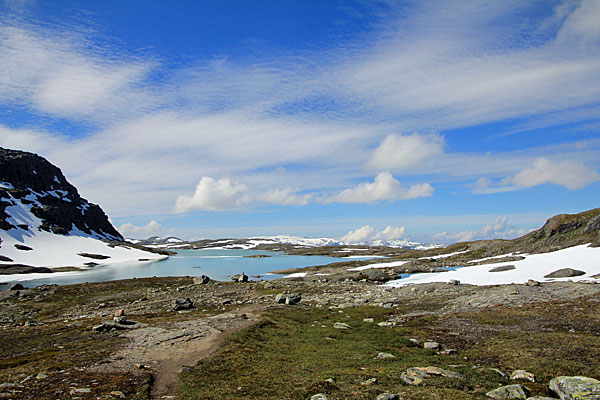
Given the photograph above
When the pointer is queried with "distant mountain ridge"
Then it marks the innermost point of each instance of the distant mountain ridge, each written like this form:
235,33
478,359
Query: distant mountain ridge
254,242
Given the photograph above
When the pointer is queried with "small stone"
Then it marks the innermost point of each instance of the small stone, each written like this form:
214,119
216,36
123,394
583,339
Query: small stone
417,375
388,324
319,396
329,380
185,368
117,393
369,382
431,345
453,282
387,396
415,342
288,298
384,356
341,325
509,392
81,391
576,387
41,376
368,320
447,352
531,282
521,374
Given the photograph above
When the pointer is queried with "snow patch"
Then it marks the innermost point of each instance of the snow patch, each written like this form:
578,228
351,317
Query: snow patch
534,266
379,265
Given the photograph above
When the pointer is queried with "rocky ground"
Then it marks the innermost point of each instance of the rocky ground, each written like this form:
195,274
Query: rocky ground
63,342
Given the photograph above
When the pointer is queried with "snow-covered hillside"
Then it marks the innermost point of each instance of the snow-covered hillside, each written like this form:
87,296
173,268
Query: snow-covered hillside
45,223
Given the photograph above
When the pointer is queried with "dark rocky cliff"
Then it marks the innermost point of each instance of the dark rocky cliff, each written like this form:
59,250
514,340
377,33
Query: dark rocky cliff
36,183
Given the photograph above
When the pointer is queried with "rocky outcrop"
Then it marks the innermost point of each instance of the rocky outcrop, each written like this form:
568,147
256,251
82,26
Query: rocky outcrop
33,182
576,387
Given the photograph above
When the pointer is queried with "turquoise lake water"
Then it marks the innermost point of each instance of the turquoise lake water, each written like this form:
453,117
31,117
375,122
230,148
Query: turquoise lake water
217,264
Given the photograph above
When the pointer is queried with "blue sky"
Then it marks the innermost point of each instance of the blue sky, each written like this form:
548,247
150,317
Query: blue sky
435,121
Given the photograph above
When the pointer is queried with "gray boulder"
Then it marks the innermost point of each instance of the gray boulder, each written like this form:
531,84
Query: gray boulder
240,277
509,392
183,304
341,325
201,280
565,273
288,298
384,356
576,387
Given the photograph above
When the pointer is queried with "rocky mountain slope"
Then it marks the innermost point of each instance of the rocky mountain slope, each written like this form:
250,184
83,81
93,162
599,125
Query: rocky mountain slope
44,222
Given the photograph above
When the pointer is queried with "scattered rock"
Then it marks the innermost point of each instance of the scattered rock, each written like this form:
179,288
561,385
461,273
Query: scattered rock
319,396
117,393
329,380
531,282
509,392
453,282
183,304
369,382
388,324
201,280
387,396
431,345
417,375
576,387
502,268
368,320
521,374
240,277
341,325
565,273
288,298
17,286
416,342
384,356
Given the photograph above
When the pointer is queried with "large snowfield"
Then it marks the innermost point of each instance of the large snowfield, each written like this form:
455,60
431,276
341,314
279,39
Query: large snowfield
534,266
51,250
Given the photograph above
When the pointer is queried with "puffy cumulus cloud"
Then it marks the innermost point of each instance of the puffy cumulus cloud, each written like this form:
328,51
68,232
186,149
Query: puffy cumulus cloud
570,174
285,197
214,195
384,187
402,151
367,233
359,235
152,228
390,232
499,229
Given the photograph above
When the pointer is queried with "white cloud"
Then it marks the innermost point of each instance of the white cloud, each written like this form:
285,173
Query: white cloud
153,228
390,232
214,195
366,233
359,235
499,229
384,187
401,151
285,197
570,174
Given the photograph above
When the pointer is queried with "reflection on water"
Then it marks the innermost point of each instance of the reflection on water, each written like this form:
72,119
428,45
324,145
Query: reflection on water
217,264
